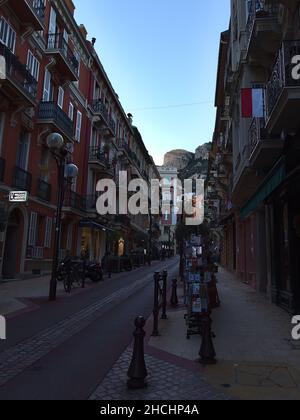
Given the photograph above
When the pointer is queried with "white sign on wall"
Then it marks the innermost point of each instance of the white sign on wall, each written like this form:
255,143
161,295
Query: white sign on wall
18,196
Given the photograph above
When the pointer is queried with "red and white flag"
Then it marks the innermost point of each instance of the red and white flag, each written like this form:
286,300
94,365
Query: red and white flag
253,103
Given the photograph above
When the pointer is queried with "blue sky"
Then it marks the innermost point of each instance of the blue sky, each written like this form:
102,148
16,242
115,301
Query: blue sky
160,54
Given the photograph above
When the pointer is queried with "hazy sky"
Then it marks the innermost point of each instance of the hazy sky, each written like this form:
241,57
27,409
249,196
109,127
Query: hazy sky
159,55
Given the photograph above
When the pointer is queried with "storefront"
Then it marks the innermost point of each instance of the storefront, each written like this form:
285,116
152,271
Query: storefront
93,240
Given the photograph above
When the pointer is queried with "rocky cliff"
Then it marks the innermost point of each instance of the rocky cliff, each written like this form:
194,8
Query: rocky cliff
178,159
190,165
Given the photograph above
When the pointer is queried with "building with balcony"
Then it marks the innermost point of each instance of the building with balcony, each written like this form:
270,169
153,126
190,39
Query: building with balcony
258,210
52,80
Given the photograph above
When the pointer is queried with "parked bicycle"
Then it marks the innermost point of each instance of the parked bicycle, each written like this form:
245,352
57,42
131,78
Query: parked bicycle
73,273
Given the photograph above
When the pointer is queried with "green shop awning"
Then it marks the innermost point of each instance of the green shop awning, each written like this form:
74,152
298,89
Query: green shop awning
273,181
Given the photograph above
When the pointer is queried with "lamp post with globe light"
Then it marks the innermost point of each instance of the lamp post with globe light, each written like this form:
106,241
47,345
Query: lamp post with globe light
66,172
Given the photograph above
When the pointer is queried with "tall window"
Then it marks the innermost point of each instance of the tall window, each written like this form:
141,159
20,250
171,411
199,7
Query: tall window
23,150
78,126
61,95
71,111
7,35
47,87
33,65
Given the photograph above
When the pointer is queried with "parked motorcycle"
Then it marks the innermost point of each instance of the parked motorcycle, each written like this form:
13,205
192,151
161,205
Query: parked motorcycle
94,272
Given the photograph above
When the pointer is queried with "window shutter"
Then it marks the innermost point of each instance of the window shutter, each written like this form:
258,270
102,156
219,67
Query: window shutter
61,95
69,238
48,233
78,126
47,86
32,229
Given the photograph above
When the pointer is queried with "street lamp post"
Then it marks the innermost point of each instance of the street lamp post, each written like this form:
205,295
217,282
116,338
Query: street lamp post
150,240
57,147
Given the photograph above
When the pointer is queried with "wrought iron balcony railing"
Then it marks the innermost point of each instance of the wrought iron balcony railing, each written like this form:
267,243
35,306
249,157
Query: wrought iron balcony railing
51,112
18,73
259,9
2,169
56,42
75,201
22,179
44,190
97,154
257,133
39,9
282,74
98,107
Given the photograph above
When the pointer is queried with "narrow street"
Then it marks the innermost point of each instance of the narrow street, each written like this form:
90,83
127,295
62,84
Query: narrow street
63,350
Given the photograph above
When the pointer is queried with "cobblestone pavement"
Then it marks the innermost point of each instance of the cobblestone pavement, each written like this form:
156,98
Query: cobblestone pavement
166,382
19,357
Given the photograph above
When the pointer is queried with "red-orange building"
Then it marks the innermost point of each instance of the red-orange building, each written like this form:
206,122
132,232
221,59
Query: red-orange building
54,82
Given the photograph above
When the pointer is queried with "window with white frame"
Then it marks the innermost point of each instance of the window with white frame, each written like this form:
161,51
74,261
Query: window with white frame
32,233
7,34
71,111
61,95
47,86
33,65
77,56
23,150
78,126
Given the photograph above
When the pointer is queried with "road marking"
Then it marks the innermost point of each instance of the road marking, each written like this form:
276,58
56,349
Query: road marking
16,359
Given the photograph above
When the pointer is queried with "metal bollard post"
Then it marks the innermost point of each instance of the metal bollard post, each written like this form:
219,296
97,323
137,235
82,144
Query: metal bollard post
137,372
164,304
156,305
207,351
174,298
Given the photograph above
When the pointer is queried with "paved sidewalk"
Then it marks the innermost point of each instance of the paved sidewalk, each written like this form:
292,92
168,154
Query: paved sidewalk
257,359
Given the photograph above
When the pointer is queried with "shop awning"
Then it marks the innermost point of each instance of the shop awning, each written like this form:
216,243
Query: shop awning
273,181
92,224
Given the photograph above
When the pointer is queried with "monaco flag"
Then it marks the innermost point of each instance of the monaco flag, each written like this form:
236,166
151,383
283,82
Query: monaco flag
253,103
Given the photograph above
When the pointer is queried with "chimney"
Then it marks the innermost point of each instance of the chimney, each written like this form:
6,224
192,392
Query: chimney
93,41
83,31
70,5
130,118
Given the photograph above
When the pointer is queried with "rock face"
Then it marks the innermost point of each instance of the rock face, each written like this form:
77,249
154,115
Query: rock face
189,165
202,152
178,159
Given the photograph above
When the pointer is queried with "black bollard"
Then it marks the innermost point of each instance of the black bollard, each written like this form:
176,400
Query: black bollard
156,305
137,371
207,351
174,298
164,303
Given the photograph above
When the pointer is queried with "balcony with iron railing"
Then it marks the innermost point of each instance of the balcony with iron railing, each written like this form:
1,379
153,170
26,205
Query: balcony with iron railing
99,109
100,161
30,12
264,150
21,179
283,90
50,113
262,28
44,190
74,201
17,80
66,63
2,169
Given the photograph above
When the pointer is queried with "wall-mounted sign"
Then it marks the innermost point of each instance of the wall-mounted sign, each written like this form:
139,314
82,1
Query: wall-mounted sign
18,196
